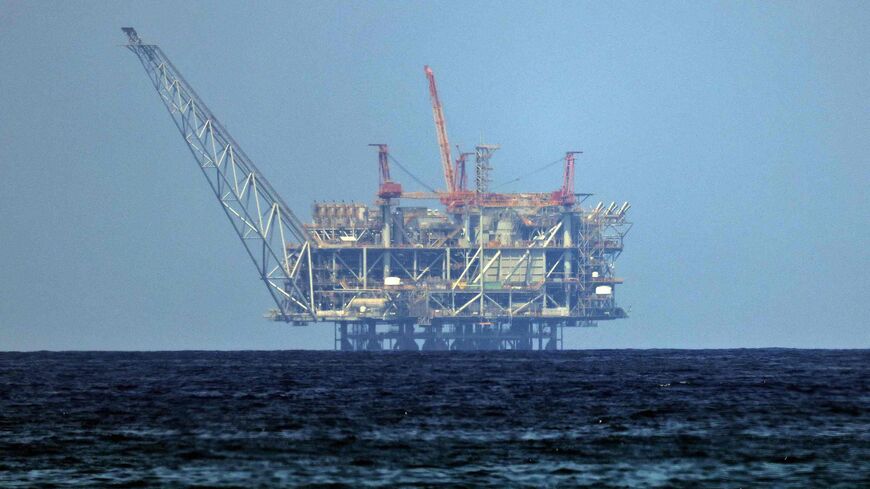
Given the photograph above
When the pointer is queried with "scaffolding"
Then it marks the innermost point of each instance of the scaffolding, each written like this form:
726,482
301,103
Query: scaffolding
485,277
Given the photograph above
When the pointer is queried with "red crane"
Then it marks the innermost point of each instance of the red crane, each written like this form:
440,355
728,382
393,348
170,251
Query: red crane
461,174
441,131
387,189
565,195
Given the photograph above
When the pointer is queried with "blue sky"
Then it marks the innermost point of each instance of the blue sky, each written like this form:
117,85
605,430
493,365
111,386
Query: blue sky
738,131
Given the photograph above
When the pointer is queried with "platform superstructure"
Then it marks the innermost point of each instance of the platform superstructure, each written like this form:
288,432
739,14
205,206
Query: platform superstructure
461,268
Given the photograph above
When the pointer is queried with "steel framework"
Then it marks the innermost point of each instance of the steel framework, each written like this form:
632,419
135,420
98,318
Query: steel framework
496,271
275,239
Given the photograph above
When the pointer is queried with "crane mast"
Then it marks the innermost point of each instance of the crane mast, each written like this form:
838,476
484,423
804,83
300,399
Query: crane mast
461,174
566,194
441,131
275,239
387,188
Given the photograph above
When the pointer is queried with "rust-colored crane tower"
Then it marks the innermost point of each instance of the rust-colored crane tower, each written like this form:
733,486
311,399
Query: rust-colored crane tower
461,174
565,195
387,188
441,131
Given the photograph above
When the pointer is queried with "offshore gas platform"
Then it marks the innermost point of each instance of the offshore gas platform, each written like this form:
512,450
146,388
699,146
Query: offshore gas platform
482,271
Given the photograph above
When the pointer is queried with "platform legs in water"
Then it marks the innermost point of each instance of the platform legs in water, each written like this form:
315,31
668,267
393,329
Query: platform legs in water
405,336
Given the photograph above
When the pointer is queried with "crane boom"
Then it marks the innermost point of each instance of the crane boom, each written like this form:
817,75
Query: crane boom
441,131
274,238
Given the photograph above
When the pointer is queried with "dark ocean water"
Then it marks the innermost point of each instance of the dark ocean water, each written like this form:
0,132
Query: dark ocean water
666,418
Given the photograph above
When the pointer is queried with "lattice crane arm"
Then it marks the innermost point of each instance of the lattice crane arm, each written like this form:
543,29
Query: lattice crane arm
441,132
275,239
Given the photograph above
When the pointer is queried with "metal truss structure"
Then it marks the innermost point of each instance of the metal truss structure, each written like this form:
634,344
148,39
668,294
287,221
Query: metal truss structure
275,239
509,280
492,271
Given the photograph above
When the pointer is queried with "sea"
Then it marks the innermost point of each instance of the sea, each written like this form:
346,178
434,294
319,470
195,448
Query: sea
597,418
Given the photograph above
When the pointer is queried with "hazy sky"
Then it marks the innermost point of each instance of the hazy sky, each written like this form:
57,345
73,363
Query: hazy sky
739,131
